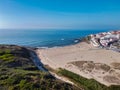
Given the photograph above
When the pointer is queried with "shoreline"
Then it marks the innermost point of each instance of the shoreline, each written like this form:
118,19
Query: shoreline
64,57
74,43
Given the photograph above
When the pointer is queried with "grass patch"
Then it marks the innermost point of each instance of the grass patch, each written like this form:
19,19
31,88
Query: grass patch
7,57
5,54
88,84
5,51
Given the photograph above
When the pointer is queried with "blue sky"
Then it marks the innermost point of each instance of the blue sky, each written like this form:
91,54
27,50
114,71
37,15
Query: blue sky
60,14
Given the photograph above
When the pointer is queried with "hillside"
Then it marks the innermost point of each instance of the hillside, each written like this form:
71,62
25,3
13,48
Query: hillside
18,72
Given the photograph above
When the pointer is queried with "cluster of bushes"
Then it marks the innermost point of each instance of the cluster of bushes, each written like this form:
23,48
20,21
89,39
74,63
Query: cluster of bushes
31,80
18,72
6,54
87,84
7,57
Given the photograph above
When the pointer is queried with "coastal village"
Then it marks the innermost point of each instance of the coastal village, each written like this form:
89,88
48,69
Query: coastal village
108,40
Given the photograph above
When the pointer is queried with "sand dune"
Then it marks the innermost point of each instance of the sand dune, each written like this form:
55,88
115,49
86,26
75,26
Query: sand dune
85,60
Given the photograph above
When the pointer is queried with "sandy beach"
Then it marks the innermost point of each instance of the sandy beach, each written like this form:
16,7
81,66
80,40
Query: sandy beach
85,60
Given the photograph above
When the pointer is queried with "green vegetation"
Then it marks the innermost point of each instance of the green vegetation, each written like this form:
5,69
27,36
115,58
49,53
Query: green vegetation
6,57
5,51
88,84
18,72
5,54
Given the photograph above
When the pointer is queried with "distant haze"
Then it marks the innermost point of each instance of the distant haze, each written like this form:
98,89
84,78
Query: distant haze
60,14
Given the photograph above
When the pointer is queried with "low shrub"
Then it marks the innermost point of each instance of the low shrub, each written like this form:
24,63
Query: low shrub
89,84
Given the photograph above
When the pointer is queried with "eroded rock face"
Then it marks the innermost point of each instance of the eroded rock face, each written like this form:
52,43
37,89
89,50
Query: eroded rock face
99,71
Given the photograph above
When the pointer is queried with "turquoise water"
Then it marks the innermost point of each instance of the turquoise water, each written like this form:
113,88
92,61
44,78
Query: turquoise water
43,38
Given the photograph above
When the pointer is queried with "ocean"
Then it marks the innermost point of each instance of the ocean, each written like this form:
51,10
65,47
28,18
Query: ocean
43,38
